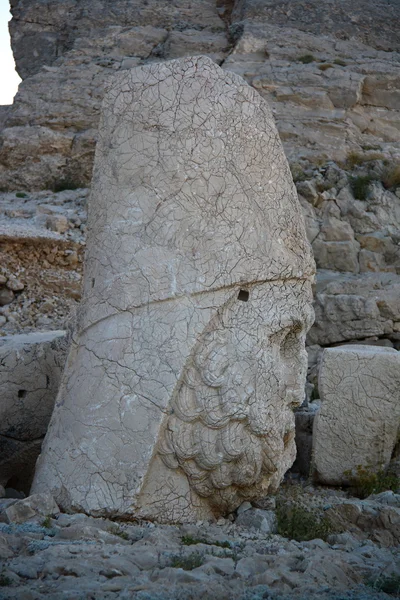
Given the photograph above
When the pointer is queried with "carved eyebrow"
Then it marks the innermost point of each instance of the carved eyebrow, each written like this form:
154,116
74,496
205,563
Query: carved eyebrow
292,322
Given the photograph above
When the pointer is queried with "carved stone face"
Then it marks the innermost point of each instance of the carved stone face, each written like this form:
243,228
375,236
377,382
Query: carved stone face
232,422
176,403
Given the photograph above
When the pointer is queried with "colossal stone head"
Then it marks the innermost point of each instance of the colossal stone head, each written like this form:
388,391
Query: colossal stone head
176,401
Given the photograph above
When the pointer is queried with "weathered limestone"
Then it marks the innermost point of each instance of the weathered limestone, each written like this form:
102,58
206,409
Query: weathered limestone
350,307
345,97
31,367
27,509
176,403
359,420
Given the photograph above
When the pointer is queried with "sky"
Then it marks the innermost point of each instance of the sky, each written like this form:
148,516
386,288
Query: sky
9,78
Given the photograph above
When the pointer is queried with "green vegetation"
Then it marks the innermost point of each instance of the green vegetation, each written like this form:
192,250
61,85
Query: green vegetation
47,522
187,563
360,184
340,62
315,393
306,59
356,159
301,523
391,176
4,580
188,540
21,195
366,481
115,530
369,167
297,173
389,584
367,147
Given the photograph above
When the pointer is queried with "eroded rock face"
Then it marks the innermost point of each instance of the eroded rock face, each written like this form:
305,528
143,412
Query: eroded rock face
359,420
333,84
189,356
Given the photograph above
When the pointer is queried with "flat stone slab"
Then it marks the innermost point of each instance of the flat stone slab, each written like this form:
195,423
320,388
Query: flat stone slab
359,419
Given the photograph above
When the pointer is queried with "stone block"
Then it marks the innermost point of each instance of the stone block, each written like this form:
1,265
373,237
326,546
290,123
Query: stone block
37,505
354,307
359,419
337,256
256,518
31,368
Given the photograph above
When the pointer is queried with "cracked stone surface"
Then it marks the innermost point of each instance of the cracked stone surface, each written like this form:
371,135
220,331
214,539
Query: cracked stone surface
344,98
79,557
189,355
31,368
359,419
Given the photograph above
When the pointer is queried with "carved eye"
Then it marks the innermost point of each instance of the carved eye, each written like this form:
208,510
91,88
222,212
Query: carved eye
288,340
243,295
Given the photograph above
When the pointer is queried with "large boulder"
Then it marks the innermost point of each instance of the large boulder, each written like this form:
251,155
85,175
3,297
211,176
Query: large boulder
189,356
31,368
359,419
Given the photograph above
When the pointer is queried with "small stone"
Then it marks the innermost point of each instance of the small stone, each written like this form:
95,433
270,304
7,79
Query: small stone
222,566
3,280
5,549
47,306
389,498
3,320
308,190
243,507
71,257
255,518
58,223
33,506
250,566
6,296
40,220
110,573
15,285
43,321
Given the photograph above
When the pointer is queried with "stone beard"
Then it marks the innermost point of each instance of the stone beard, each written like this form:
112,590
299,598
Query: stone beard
177,397
230,427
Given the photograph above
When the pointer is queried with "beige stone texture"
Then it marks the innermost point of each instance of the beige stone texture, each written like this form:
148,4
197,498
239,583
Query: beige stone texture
31,370
176,402
352,307
359,419
31,508
346,97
